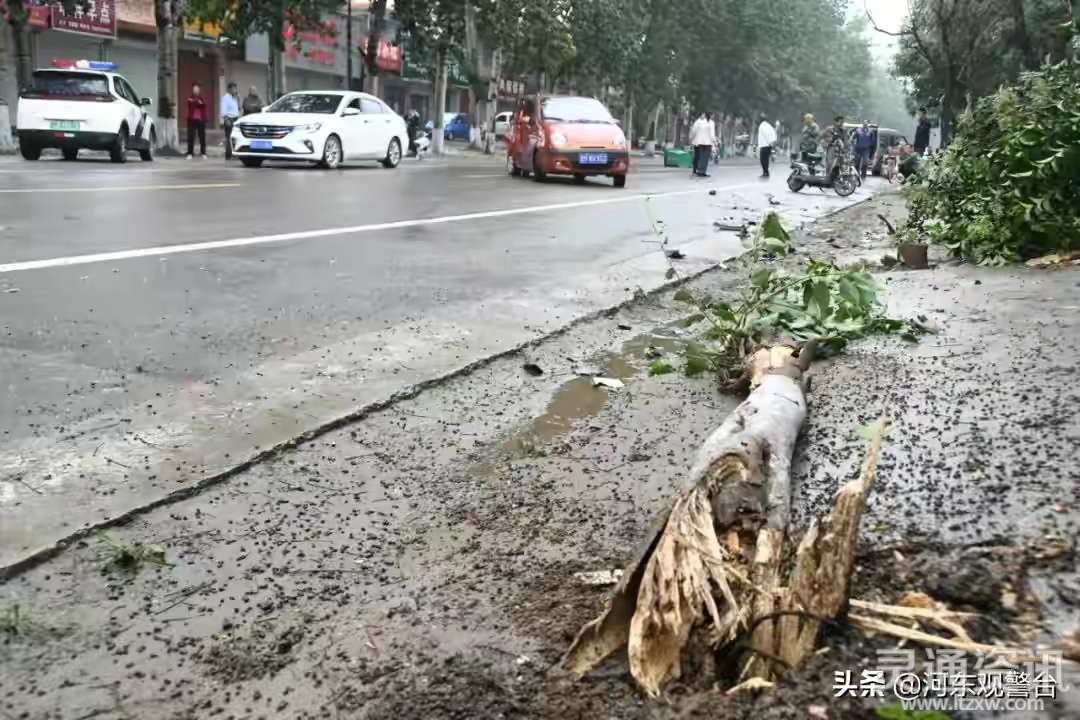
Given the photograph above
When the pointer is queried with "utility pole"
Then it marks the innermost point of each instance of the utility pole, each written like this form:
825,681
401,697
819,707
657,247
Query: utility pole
348,46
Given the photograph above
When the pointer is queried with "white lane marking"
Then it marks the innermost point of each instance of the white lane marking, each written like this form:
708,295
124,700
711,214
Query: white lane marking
327,232
115,188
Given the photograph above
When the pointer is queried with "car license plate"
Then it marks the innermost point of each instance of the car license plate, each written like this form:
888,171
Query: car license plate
262,145
63,124
593,158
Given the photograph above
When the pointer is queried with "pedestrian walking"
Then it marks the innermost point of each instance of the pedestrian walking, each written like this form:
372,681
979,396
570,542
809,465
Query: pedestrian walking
922,132
713,153
252,103
766,139
230,111
864,147
701,140
196,121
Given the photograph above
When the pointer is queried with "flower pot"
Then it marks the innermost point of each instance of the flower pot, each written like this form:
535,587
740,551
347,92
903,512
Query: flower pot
913,255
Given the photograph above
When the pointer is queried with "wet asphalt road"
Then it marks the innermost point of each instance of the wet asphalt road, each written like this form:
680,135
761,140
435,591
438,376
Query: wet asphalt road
136,362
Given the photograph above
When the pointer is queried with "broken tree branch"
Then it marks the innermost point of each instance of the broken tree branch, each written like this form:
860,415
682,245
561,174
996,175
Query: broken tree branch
713,563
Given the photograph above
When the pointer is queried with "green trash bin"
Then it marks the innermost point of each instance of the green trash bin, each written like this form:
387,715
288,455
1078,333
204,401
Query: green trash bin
678,157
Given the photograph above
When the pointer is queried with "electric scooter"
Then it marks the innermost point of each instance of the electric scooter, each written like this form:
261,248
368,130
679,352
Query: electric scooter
805,172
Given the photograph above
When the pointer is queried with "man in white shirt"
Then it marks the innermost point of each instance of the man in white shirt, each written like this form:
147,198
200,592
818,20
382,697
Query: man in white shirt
766,140
701,137
230,110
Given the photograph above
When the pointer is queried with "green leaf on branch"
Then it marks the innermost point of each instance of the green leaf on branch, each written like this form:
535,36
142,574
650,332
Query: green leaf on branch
660,367
698,360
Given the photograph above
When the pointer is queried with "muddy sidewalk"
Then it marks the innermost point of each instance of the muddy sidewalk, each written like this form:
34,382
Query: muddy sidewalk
422,561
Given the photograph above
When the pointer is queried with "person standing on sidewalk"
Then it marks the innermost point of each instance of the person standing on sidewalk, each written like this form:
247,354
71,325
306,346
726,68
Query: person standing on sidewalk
922,132
864,147
196,120
766,138
230,111
701,140
252,103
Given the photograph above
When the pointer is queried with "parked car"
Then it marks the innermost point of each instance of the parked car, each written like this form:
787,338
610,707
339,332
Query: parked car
502,124
328,127
456,126
83,105
566,135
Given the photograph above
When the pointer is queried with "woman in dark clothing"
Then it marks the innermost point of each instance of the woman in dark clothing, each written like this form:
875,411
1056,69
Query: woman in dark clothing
197,112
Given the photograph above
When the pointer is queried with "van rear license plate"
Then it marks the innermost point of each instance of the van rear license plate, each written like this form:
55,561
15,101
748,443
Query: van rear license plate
593,158
262,145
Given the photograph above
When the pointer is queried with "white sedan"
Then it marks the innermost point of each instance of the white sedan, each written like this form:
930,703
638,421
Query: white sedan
327,127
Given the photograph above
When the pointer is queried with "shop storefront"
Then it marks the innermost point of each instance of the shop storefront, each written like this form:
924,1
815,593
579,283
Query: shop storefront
413,89
314,59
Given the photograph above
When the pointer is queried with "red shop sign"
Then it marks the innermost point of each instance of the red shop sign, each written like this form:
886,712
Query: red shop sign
94,17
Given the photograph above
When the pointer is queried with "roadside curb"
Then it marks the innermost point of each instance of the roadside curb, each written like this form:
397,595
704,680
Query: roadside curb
47,552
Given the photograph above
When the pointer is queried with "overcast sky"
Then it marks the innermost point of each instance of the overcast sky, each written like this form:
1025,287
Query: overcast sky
889,15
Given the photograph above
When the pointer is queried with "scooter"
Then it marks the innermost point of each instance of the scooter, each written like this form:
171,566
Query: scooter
804,172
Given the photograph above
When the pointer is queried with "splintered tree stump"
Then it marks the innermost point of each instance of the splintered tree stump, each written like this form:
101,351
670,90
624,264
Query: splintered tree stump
710,571
713,562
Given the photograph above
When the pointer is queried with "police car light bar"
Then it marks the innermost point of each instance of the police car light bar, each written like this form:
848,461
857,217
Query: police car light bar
84,64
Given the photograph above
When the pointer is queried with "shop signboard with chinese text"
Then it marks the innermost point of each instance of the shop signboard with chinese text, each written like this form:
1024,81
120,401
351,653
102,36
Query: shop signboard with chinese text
94,17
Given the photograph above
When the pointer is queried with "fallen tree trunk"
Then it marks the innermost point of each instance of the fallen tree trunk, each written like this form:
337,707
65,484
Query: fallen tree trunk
713,563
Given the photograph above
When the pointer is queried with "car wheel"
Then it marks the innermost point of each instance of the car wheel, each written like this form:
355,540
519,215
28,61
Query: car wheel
331,156
579,179
28,151
511,167
147,155
70,154
118,153
620,181
393,154
252,162
538,171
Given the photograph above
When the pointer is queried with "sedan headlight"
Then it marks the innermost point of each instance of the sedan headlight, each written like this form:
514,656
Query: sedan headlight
558,140
310,128
620,141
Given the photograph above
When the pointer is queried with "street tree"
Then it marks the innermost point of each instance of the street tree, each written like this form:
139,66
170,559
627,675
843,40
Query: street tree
377,27
438,27
239,20
952,51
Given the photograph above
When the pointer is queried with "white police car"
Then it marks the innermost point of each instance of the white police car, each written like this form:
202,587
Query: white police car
83,105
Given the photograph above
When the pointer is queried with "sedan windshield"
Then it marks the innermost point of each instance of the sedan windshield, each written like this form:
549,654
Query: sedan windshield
68,85
572,109
306,103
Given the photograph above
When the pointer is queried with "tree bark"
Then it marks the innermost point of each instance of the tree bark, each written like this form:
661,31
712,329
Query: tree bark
437,137
168,133
711,569
24,61
717,551
9,88
276,66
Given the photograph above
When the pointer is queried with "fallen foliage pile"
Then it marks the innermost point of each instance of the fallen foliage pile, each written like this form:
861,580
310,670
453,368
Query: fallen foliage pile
1006,189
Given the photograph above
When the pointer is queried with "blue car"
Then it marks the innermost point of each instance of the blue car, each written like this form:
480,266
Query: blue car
456,127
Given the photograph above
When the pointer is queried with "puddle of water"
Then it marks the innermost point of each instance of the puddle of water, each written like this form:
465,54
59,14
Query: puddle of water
579,398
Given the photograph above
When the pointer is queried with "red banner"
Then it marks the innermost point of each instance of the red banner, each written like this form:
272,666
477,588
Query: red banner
388,56
95,17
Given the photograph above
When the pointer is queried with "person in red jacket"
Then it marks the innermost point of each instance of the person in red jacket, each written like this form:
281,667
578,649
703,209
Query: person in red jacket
197,113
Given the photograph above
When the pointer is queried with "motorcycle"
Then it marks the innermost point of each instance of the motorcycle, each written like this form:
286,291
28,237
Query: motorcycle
804,172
